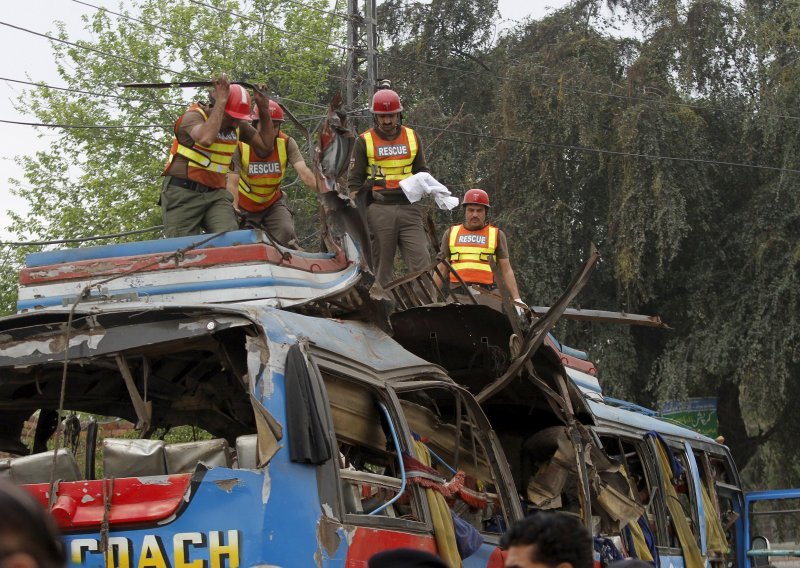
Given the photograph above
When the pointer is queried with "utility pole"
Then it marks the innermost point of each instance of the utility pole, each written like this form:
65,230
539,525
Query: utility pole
372,46
362,45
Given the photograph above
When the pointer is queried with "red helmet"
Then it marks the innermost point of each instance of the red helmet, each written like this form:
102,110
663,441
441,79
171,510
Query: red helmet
386,101
476,197
275,111
238,105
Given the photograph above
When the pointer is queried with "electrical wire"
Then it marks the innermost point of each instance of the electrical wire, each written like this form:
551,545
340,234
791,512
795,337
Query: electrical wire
101,52
320,10
590,150
86,126
565,87
83,239
263,23
82,92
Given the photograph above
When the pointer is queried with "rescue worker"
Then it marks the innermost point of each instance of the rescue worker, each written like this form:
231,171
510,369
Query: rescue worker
256,182
193,195
383,156
470,245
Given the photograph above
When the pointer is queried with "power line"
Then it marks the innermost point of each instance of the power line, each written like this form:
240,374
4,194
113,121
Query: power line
184,34
590,150
93,93
85,126
483,74
83,239
320,10
101,52
263,23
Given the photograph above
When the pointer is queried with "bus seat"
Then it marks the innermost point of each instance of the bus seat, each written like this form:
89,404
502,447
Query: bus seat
37,468
184,457
133,458
247,451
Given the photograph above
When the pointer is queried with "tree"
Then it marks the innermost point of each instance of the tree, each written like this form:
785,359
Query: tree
102,176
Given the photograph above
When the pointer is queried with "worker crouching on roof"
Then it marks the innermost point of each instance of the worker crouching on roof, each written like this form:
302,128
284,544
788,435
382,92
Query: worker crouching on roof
256,182
193,195
383,156
470,245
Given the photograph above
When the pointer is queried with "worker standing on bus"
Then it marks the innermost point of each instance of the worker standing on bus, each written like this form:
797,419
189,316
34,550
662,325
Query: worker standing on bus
193,196
470,245
256,182
383,156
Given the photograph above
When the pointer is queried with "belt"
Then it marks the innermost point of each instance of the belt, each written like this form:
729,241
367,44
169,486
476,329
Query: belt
390,197
188,184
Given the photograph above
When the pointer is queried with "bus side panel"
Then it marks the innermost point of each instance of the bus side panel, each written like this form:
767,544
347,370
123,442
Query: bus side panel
205,531
367,542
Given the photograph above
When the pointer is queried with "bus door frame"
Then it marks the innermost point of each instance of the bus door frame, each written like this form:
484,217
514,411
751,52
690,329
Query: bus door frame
743,554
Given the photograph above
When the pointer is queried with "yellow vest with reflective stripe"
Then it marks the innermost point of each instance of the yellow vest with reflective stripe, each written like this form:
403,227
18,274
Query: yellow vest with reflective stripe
390,160
260,178
470,252
206,164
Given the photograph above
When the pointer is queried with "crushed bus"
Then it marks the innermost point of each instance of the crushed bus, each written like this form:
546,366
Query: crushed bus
269,408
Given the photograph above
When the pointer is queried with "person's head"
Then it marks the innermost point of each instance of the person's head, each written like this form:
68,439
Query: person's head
476,209
387,111
405,558
275,113
237,108
548,540
28,534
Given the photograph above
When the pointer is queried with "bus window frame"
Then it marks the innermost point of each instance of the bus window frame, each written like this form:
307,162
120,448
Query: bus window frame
646,456
512,510
329,480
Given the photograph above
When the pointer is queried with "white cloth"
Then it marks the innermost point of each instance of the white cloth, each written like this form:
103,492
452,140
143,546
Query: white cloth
423,183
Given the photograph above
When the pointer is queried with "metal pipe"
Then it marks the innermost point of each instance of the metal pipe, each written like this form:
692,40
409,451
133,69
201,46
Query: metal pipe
399,459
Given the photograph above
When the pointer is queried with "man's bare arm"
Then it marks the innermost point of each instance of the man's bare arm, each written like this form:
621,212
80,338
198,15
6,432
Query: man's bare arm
206,132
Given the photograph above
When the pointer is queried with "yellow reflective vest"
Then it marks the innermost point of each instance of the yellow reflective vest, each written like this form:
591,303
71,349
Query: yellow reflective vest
470,252
260,178
390,160
206,165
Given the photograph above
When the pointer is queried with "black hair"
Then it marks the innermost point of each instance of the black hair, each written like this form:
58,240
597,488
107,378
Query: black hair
556,538
26,527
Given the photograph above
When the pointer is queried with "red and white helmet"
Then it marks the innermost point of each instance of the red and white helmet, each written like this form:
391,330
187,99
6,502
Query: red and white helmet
386,101
476,197
275,111
238,105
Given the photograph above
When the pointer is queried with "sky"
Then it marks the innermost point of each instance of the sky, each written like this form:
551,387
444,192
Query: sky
28,59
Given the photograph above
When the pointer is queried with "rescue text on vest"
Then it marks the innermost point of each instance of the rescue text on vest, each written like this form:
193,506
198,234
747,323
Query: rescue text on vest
260,168
394,150
471,239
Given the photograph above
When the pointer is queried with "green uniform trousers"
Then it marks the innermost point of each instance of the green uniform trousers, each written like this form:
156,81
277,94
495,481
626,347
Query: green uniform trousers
397,226
192,212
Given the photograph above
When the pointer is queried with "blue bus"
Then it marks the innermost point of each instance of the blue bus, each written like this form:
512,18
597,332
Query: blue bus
222,401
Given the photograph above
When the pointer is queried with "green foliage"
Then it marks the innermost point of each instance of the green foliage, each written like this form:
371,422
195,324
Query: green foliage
95,181
579,134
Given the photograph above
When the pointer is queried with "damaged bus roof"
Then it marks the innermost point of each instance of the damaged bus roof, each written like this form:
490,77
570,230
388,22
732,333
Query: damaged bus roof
97,331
